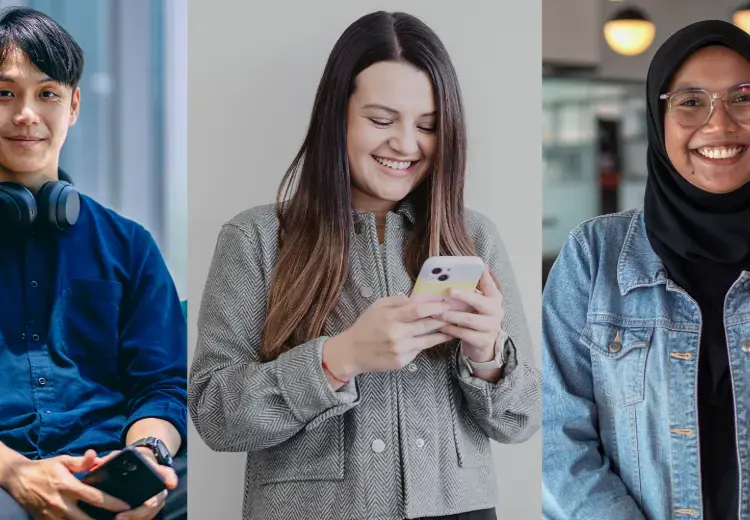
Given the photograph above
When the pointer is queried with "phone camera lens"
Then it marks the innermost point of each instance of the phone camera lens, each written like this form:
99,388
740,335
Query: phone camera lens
443,277
436,270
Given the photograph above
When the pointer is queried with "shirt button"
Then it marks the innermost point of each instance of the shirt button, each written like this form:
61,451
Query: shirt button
42,381
746,345
378,446
366,291
411,367
35,337
420,443
23,335
34,284
47,411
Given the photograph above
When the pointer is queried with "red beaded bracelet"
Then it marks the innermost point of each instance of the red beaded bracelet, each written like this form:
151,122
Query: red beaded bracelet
325,367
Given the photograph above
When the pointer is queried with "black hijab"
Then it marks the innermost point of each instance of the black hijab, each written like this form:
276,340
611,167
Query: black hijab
692,230
703,239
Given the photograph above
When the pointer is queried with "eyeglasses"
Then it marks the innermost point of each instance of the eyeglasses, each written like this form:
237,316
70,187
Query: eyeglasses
693,107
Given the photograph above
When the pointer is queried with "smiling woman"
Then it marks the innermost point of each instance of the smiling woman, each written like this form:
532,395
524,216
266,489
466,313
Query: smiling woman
645,329
353,400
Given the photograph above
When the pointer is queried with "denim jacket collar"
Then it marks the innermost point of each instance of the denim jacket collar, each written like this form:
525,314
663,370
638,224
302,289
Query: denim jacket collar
638,264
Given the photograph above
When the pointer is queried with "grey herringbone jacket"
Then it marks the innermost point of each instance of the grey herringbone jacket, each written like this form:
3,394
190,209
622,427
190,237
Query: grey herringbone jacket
387,446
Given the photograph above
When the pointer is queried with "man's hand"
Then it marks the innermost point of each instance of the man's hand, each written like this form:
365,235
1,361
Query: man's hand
48,490
151,507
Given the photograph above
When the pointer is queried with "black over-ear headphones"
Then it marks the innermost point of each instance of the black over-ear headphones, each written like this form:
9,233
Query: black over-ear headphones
57,203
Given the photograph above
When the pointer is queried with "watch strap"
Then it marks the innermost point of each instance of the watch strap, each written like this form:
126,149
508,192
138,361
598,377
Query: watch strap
497,362
157,447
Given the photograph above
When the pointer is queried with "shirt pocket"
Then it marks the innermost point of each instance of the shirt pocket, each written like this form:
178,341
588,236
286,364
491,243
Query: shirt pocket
618,357
91,320
312,454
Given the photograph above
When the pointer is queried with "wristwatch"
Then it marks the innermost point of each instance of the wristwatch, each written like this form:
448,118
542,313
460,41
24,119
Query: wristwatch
497,362
157,447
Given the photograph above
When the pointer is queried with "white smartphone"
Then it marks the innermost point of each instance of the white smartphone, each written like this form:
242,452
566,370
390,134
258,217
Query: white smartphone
440,274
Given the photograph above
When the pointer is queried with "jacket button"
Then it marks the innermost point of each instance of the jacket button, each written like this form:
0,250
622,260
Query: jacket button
615,347
411,367
378,446
366,291
746,345
420,443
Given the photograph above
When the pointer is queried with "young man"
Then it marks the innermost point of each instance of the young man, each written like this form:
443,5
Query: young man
92,335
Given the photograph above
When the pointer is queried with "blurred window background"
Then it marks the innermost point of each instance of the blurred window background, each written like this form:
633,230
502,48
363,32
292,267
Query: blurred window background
128,149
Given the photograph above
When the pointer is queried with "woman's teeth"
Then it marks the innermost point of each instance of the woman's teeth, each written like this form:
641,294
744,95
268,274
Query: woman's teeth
721,152
395,165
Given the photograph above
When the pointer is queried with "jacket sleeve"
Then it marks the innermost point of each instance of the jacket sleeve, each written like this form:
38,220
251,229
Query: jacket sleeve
153,341
508,411
577,480
238,403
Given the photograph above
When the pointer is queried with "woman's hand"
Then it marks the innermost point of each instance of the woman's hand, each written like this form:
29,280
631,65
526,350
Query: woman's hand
479,330
387,336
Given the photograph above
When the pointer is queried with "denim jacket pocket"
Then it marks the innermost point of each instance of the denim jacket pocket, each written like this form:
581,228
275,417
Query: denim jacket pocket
312,454
618,357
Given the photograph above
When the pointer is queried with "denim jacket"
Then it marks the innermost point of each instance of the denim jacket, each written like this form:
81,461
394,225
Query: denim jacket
390,445
620,364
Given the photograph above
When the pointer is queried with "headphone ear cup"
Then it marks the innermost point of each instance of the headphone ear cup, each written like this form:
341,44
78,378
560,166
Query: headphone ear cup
18,208
59,204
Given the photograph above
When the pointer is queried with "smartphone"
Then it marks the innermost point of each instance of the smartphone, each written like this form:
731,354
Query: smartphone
127,476
440,274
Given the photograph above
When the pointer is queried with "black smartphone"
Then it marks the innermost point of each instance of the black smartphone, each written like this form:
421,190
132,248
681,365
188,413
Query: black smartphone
127,476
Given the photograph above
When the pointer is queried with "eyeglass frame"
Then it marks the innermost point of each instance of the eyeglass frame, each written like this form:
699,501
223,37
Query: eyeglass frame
713,95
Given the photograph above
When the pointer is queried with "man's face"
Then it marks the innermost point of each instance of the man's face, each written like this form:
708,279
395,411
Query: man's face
35,114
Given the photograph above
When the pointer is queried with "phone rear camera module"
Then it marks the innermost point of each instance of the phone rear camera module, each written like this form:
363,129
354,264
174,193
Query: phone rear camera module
443,277
437,270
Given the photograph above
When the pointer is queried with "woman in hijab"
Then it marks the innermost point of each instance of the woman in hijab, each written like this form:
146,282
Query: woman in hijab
646,313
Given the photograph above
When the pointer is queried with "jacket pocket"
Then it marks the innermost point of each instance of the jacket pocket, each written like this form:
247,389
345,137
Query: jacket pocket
618,357
313,454
91,323
472,444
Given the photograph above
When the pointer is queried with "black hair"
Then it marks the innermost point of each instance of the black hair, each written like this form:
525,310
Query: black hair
48,46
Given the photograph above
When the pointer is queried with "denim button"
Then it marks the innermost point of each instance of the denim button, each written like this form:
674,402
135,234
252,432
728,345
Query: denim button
615,347
746,345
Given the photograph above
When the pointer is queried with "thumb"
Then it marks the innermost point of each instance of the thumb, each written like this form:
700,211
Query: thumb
79,464
169,476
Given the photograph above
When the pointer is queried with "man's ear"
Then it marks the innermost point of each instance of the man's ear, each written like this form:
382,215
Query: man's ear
75,106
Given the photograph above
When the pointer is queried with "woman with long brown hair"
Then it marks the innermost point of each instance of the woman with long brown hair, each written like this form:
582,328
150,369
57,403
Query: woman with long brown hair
352,400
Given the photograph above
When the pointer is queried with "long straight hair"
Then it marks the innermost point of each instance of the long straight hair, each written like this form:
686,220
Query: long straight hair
314,200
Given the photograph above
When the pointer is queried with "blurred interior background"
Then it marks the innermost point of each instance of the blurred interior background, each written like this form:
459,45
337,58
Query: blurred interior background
595,56
128,149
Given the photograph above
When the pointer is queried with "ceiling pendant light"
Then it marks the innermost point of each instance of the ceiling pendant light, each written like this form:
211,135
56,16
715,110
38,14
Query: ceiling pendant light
741,17
629,32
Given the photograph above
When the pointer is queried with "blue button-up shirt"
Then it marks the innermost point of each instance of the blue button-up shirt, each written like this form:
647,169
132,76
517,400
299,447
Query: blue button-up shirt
92,336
